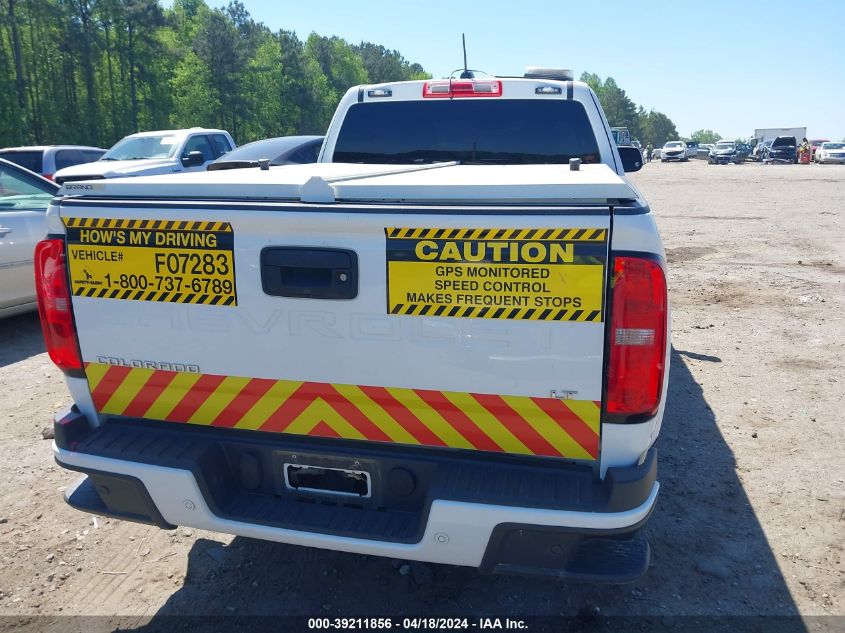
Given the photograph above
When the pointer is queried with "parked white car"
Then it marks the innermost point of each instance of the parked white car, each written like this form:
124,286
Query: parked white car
830,153
151,153
674,150
24,197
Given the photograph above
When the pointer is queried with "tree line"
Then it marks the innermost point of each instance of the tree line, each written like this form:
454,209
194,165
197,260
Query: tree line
647,126
92,71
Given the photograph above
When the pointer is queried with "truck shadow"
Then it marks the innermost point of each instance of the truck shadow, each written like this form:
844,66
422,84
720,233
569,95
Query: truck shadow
710,557
20,338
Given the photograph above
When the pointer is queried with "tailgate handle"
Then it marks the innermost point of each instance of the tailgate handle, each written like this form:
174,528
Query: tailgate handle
309,273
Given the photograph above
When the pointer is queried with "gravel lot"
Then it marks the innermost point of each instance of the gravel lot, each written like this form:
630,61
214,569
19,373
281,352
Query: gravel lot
752,509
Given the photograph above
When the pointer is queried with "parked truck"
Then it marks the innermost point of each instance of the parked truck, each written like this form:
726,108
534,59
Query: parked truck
447,341
157,152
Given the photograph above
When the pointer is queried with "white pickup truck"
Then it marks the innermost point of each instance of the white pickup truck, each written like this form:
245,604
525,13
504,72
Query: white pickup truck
150,153
445,342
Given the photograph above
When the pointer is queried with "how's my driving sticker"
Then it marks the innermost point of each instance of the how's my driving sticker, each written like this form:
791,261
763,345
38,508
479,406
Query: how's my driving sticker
152,260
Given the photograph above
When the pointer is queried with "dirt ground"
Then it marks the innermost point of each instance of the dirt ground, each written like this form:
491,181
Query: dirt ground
752,454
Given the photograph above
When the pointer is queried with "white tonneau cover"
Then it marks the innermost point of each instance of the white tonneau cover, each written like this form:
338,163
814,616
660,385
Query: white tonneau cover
341,182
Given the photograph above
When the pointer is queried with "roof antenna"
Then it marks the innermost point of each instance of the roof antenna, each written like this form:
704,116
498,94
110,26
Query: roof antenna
467,73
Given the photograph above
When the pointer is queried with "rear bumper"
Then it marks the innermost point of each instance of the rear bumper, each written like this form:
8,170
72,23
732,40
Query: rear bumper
512,515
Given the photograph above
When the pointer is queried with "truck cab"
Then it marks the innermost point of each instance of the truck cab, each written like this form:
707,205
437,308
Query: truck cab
472,122
447,341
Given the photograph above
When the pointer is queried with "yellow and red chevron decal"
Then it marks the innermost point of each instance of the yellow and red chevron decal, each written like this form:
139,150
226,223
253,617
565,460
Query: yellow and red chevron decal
485,422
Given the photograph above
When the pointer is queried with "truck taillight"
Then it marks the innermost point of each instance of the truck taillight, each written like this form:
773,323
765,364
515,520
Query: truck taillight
637,337
54,308
460,88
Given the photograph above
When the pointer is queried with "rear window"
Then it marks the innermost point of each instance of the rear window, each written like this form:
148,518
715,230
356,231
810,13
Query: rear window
68,157
500,132
784,141
91,155
307,154
221,144
28,160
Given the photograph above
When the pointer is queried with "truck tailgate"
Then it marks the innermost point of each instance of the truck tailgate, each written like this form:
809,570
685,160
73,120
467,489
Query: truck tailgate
411,325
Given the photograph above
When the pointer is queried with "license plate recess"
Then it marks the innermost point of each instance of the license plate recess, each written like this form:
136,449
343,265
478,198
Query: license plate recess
316,479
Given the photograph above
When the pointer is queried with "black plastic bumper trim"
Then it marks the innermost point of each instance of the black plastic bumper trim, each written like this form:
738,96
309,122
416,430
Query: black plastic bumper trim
113,495
617,555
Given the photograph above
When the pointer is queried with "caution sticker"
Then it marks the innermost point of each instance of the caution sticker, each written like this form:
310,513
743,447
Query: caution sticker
152,260
525,274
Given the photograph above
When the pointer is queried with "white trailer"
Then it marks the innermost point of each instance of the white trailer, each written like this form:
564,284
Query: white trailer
771,133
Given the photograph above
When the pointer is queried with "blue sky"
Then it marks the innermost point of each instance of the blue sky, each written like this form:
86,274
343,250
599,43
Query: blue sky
730,66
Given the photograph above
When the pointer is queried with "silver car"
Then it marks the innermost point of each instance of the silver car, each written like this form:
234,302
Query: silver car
24,197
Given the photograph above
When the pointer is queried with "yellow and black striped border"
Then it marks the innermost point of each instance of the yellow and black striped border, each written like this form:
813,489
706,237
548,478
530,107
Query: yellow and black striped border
524,314
194,298
565,235
154,225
